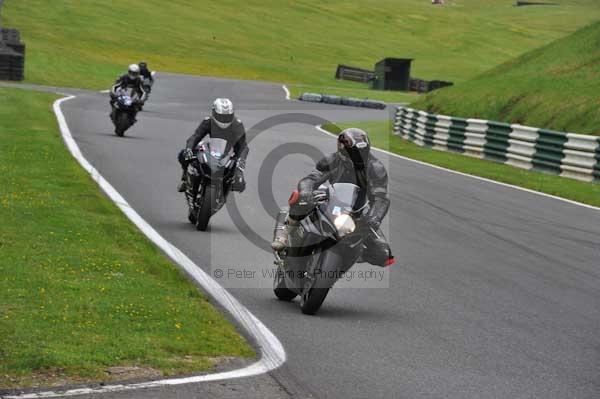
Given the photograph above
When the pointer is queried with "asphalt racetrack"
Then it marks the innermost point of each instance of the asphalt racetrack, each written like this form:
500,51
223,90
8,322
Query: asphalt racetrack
496,292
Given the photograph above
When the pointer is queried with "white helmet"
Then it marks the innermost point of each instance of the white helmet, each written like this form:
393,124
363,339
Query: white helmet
134,71
222,112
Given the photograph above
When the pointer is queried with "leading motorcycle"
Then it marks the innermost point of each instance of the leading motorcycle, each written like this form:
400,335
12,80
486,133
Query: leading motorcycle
124,110
209,178
322,247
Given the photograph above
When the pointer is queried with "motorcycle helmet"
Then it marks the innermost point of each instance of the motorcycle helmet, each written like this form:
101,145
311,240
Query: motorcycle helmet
143,65
134,71
222,112
354,145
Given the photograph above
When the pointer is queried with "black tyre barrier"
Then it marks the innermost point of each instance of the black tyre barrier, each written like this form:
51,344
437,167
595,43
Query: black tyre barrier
375,104
12,55
351,101
337,100
11,64
329,99
312,97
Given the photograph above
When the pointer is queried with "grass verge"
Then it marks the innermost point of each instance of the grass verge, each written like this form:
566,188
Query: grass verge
88,43
381,137
81,290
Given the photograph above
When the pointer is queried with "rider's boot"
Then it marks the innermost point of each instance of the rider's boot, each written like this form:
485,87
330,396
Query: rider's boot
282,231
183,184
282,237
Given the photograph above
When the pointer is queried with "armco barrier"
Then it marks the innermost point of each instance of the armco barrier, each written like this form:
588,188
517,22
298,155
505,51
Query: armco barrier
571,155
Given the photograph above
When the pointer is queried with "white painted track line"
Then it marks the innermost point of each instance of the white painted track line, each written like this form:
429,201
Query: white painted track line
287,92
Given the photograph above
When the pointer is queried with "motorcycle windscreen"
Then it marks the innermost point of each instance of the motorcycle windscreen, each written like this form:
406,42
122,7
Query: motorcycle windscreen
217,147
344,198
127,95
219,152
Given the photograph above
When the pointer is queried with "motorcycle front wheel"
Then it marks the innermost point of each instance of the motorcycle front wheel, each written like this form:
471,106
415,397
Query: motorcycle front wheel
207,204
323,278
312,299
121,123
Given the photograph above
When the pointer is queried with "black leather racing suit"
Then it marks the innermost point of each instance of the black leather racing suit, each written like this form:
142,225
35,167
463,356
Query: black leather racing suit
234,134
373,179
126,82
146,74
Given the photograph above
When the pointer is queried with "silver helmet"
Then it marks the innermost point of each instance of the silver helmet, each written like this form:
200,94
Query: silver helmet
222,112
134,71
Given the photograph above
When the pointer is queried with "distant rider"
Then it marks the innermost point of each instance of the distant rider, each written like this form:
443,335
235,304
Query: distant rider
145,72
221,124
131,80
352,163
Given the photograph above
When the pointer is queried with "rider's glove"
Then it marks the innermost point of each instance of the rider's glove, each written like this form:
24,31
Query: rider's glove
319,196
241,164
239,183
188,154
306,198
372,222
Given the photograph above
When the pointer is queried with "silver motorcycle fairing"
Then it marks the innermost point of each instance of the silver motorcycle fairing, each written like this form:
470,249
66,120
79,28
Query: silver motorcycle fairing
316,251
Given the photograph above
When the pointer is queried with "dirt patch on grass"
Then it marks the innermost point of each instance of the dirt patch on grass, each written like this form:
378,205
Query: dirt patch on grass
121,373
42,378
60,378
52,378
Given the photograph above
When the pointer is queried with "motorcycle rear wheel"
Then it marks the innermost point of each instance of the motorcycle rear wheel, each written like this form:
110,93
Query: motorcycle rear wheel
280,288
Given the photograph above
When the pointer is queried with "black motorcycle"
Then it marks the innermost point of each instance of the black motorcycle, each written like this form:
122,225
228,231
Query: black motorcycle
209,179
124,109
323,246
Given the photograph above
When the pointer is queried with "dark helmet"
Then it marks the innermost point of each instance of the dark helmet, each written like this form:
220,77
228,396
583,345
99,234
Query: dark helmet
354,144
143,65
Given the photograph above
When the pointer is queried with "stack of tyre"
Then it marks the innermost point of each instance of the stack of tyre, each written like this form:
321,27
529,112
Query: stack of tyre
12,55
338,100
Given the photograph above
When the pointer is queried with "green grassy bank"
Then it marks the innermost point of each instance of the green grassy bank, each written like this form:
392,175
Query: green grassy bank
87,43
556,87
